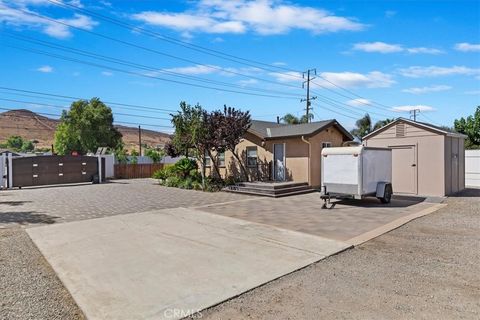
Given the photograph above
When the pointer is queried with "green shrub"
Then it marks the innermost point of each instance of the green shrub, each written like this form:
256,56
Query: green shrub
231,180
173,182
160,174
184,166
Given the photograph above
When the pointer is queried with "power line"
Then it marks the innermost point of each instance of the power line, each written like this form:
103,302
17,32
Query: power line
79,98
58,116
64,108
188,45
142,75
136,65
156,35
137,46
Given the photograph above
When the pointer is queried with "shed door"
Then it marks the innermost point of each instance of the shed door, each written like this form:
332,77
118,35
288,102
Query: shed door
404,169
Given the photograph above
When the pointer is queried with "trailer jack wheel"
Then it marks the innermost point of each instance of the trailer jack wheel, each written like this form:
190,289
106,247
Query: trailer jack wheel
327,204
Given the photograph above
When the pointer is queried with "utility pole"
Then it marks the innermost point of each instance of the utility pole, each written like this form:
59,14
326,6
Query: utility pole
413,113
307,83
140,140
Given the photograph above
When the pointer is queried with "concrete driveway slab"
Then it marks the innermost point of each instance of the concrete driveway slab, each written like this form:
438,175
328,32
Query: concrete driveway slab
168,263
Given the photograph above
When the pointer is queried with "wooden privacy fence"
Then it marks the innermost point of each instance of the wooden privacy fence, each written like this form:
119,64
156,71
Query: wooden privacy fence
134,171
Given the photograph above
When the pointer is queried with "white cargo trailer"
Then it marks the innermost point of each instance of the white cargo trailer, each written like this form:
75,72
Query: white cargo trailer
357,172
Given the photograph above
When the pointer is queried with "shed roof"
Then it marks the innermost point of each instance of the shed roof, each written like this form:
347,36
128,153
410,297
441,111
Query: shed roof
273,130
419,124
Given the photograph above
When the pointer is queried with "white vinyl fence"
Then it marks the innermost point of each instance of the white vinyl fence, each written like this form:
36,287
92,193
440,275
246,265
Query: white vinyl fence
472,168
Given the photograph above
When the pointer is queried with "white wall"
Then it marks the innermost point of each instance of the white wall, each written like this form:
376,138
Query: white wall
109,162
472,168
3,170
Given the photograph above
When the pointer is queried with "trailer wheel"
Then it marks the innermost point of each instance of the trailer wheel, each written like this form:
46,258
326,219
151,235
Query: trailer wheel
387,195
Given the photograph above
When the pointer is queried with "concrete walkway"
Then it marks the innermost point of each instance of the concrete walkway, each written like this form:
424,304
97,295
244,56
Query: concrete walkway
168,263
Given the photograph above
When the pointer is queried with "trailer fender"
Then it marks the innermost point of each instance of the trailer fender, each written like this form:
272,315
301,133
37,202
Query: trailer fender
381,187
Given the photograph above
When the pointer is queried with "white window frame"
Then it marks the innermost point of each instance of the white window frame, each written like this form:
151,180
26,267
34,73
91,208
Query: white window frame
326,144
256,156
208,161
220,159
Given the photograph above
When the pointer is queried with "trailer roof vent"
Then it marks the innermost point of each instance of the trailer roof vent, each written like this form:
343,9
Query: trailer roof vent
400,130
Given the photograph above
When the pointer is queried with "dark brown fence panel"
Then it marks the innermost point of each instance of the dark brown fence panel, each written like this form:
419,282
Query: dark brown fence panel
46,170
134,171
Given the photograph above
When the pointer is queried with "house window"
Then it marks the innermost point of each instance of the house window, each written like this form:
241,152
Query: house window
326,145
221,159
208,160
251,156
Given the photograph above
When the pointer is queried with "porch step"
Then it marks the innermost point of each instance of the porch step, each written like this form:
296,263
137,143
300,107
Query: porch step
274,190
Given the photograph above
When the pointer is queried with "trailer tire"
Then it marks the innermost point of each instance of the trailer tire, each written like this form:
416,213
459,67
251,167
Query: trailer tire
387,195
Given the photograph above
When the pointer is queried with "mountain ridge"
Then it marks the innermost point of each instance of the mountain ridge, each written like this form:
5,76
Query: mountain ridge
33,126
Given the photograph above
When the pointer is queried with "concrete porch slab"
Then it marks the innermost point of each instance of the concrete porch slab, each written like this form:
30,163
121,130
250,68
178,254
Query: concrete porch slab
168,263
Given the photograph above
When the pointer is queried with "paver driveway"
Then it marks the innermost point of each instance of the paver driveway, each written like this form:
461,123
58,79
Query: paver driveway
48,205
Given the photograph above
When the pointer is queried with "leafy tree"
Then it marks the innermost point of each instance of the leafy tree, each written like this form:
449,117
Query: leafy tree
381,123
85,127
15,143
233,127
134,156
190,133
470,126
364,126
291,119
27,146
155,155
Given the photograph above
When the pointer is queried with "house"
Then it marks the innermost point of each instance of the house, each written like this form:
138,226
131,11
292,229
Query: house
282,152
427,160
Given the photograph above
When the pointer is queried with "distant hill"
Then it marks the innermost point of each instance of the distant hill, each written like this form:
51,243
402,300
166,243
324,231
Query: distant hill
32,126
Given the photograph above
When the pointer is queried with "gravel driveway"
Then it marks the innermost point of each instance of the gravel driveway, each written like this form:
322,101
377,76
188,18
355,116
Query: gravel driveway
29,288
427,269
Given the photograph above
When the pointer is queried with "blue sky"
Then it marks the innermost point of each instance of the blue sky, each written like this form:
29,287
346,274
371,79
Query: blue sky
380,57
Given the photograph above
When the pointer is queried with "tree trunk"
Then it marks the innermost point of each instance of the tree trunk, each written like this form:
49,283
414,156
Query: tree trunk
215,164
242,167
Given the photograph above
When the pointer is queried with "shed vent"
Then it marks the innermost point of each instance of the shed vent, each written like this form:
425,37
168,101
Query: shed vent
400,130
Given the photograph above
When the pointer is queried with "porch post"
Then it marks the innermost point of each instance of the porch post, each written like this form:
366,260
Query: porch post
2,170
99,159
10,171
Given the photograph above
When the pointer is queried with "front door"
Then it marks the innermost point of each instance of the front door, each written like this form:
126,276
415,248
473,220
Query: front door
404,169
279,161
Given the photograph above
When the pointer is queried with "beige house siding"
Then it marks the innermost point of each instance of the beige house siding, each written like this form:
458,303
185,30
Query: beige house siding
438,172
299,155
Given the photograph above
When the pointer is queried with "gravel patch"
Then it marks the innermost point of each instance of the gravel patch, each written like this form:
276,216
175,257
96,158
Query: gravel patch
29,288
427,269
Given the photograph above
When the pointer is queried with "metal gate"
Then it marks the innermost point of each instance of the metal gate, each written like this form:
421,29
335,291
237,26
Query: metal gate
45,170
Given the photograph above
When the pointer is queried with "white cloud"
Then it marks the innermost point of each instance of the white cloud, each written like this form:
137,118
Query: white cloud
382,47
288,76
360,102
45,69
279,63
435,71
244,83
374,79
422,90
422,108
467,47
10,15
424,50
474,92
107,73
265,17
195,70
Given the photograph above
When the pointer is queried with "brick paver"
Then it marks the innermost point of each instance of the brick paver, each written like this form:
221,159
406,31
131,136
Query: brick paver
303,213
68,203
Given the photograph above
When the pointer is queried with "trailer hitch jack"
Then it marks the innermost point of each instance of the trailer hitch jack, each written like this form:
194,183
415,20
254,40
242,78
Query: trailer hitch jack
327,203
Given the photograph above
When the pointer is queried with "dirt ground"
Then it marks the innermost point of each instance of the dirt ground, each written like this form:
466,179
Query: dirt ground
427,269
